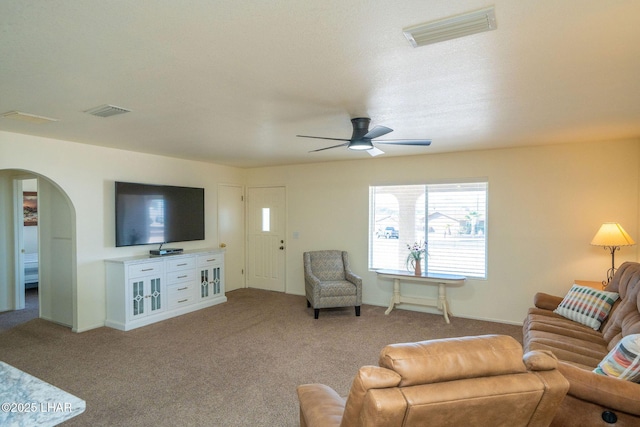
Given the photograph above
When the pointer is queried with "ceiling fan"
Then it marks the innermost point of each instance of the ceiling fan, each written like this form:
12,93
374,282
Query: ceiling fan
362,138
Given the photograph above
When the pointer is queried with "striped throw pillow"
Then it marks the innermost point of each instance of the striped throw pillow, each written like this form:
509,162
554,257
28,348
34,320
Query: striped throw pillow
587,305
623,361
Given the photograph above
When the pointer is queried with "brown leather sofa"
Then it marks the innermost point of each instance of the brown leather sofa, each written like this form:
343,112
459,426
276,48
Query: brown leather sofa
472,381
592,400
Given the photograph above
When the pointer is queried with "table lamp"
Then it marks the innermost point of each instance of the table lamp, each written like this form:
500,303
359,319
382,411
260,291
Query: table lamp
611,236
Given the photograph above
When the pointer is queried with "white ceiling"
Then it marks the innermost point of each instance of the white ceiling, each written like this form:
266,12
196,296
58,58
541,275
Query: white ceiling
233,81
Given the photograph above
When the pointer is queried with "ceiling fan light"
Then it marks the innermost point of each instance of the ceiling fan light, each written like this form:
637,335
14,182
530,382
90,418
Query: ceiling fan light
361,145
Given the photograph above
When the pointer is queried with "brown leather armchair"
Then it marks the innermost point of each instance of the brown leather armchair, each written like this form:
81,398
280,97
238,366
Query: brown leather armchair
472,381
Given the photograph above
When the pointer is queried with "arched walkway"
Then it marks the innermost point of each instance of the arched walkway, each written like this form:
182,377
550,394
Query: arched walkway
56,249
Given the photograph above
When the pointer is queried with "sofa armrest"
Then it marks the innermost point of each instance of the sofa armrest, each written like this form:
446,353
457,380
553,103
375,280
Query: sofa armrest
546,301
320,406
609,392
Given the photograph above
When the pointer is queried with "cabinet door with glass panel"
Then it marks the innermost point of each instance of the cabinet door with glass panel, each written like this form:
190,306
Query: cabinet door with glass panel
210,274
146,296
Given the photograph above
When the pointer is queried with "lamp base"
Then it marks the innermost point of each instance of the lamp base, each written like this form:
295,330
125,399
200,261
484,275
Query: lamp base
610,274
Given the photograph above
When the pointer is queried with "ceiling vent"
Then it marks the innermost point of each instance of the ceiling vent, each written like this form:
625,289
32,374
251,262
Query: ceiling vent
451,28
26,117
107,111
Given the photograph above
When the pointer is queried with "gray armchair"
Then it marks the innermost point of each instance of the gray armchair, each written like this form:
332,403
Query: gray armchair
329,281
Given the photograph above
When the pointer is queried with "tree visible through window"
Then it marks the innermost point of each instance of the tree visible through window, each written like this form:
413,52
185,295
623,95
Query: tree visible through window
451,218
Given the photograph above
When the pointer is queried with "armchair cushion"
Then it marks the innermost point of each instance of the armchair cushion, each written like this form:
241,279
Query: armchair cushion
453,358
327,266
336,289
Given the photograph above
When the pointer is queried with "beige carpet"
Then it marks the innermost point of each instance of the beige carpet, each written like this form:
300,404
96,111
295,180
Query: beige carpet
10,319
235,364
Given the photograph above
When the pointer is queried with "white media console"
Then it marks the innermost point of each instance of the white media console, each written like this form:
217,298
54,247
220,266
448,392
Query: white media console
146,289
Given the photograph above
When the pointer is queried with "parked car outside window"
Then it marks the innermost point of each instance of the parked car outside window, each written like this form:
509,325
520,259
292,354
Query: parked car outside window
391,233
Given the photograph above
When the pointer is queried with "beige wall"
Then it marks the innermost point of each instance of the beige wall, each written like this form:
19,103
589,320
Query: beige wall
86,175
545,205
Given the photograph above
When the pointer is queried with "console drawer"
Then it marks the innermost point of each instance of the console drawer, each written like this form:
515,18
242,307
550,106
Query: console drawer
181,295
180,276
181,263
209,259
145,269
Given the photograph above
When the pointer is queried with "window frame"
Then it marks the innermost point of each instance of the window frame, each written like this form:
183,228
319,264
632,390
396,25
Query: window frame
480,271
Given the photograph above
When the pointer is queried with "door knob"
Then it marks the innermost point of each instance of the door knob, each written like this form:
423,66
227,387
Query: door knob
223,245
282,248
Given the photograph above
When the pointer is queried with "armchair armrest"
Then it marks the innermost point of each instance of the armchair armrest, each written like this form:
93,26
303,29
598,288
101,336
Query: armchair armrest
349,275
540,360
353,278
320,406
546,301
311,278
612,393
368,378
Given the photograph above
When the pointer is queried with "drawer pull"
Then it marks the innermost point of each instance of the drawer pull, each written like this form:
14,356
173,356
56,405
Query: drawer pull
180,265
182,277
183,300
183,289
210,260
147,269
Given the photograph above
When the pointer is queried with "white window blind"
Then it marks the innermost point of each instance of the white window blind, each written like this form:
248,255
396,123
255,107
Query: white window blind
451,218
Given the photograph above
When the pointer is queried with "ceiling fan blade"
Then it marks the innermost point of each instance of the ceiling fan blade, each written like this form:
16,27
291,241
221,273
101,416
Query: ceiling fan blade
322,137
422,142
377,132
375,152
327,148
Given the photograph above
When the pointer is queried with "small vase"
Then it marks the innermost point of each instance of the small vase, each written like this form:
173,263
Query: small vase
418,267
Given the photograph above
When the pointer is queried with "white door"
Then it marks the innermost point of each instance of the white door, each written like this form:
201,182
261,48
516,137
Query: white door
231,234
26,233
19,303
266,227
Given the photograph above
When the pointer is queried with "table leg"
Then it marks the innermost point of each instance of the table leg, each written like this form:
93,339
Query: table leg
395,299
442,301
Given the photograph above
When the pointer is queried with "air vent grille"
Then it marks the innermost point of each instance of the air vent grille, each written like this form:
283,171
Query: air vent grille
451,28
26,117
107,111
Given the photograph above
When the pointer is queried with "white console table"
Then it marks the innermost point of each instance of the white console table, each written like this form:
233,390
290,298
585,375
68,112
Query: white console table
146,289
442,280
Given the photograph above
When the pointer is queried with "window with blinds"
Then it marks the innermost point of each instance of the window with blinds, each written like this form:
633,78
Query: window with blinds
451,218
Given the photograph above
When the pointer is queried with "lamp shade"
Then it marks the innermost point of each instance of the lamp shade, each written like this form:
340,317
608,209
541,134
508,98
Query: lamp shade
612,234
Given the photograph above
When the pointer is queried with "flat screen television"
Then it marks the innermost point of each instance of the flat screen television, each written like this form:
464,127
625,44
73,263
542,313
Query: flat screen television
148,214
